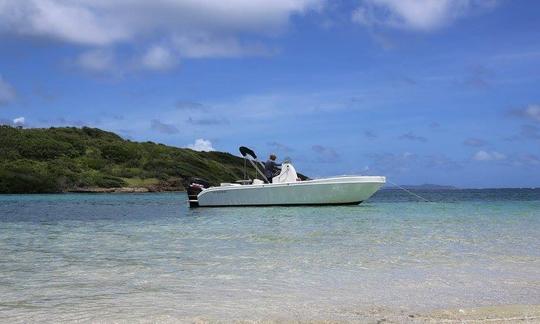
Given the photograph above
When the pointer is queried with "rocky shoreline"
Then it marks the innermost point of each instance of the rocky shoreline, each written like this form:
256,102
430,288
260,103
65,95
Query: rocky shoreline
125,190
172,185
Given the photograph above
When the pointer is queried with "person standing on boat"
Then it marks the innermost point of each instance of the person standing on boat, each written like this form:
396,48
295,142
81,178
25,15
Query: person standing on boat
271,167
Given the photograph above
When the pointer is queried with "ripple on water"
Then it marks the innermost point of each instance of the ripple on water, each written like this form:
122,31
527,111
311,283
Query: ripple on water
148,257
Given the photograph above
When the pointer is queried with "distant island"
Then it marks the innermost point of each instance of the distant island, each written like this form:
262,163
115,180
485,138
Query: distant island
70,159
426,186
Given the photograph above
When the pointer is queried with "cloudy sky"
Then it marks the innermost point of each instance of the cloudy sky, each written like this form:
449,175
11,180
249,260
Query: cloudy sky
422,91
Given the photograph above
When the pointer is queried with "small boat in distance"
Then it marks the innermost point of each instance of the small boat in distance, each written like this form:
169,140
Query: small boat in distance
286,189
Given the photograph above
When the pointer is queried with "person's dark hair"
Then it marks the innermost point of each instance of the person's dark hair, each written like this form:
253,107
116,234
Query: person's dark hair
273,157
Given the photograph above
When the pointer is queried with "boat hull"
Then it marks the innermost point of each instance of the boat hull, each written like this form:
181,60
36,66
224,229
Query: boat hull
330,191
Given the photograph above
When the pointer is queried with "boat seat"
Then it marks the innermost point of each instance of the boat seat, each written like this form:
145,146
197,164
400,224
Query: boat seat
288,174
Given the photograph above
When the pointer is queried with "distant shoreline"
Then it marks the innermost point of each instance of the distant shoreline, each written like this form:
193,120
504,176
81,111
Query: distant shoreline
422,187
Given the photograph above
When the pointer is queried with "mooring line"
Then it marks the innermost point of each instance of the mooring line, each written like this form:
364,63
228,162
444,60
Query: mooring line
408,191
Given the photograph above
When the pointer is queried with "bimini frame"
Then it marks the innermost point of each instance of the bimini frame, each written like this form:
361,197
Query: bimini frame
249,155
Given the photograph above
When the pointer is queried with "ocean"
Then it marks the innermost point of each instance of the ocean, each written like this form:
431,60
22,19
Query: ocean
149,258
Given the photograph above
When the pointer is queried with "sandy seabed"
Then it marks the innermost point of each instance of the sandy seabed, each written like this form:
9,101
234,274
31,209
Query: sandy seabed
488,314
379,315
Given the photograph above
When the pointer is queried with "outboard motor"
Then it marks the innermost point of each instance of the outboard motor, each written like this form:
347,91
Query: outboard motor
196,185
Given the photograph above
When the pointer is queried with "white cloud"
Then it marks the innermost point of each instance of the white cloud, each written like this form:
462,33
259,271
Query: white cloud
488,156
163,127
201,145
97,61
204,45
75,22
531,112
474,142
159,58
101,23
276,106
7,92
392,162
421,15
529,159
19,121
325,154
413,137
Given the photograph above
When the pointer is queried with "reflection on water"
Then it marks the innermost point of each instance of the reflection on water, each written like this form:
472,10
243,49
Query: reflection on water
147,257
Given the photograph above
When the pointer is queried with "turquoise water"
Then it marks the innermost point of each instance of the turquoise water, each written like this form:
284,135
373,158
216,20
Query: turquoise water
147,257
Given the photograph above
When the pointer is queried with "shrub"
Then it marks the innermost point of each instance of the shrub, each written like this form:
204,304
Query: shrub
119,153
23,176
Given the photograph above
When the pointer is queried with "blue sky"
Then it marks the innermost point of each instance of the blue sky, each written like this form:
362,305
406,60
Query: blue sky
433,91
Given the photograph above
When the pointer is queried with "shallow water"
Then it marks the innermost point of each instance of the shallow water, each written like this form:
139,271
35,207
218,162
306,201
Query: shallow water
147,257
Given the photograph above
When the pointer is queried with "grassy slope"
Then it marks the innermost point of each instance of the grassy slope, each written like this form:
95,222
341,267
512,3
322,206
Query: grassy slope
61,159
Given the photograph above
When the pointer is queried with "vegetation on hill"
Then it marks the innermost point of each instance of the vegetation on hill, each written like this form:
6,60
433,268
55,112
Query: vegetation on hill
39,160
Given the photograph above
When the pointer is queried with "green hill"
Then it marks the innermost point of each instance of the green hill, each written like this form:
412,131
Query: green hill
39,160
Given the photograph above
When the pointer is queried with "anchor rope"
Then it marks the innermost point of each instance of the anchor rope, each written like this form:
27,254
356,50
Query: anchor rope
408,191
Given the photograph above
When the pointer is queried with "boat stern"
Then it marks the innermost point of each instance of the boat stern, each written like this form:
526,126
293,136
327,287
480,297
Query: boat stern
195,187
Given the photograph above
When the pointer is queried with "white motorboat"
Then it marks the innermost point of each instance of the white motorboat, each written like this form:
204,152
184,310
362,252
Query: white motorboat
286,189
